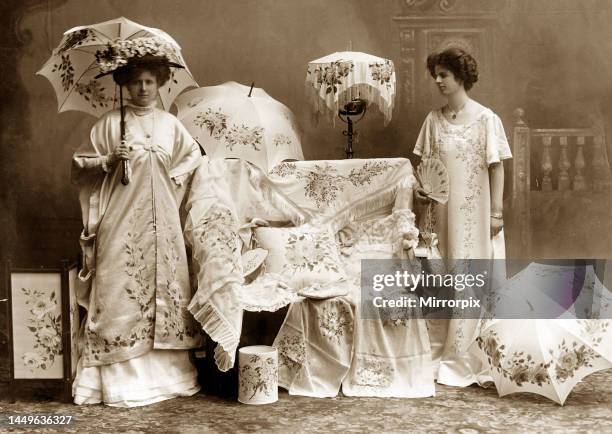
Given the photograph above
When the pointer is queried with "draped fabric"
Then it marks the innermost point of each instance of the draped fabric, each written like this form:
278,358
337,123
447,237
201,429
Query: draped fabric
325,345
318,337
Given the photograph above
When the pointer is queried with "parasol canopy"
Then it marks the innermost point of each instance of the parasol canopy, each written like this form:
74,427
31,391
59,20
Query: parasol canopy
338,78
74,70
232,120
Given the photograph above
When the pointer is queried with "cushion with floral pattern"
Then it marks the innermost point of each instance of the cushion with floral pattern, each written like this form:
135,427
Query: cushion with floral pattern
303,255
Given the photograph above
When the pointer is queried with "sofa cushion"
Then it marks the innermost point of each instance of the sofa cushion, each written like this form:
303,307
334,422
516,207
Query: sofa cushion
303,255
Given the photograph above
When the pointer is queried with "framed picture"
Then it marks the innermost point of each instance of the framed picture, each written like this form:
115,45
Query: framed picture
43,323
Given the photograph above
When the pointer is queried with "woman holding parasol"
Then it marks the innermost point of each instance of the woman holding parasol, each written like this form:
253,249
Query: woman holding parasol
138,331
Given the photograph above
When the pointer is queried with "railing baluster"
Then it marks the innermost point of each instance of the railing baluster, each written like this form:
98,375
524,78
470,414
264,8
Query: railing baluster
602,178
564,165
546,164
579,182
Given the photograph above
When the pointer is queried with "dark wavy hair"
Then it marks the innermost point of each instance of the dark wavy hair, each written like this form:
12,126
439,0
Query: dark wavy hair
458,61
157,66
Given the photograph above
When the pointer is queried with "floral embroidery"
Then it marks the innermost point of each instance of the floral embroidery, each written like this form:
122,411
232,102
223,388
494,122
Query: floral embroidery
281,140
142,332
335,320
284,170
176,317
323,183
307,251
45,323
594,329
217,231
331,77
214,121
76,39
373,372
291,351
259,375
218,125
245,136
139,291
522,368
365,174
322,186
569,359
382,72
66,72
470,142
94,94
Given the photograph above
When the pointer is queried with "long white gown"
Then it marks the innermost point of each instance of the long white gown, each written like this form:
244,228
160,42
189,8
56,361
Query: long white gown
463,224
138,329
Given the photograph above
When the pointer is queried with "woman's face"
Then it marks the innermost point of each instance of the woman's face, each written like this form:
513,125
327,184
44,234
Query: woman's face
446,81
143,88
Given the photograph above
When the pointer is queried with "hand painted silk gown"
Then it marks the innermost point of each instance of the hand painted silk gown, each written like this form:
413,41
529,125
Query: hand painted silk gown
463,224
135,278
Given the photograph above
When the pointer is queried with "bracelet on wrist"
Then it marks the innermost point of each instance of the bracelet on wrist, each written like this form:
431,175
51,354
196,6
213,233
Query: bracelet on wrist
497,215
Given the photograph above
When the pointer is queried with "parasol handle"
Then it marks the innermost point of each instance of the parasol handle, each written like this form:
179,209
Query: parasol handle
251,90
126,169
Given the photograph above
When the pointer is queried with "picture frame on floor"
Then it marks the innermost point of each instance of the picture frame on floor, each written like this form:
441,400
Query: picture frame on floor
42,345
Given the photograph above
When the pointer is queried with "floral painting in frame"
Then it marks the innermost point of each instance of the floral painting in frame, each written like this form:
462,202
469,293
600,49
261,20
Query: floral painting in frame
37,325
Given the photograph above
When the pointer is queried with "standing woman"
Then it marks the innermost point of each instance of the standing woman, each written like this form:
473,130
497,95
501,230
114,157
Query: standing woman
137,333
470,140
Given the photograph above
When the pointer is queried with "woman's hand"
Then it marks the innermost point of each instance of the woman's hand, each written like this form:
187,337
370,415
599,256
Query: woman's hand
121,152
408,250
497,224
421,196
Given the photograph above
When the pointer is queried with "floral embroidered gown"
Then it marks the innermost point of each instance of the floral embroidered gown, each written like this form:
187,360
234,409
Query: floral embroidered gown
137,328
463,223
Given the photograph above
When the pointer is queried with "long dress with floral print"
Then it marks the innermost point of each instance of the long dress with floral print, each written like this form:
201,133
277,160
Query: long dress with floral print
463,223
140,282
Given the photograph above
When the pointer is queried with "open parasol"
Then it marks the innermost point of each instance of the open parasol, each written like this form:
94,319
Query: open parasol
80,68
232,120
344,83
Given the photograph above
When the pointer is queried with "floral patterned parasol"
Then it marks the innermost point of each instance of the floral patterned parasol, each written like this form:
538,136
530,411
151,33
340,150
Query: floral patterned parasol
75,65
336,79
232,120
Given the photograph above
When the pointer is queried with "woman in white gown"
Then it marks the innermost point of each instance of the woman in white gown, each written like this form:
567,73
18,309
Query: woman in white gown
470,140
137,333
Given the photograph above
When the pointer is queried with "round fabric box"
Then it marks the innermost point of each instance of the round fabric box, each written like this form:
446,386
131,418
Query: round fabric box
258,374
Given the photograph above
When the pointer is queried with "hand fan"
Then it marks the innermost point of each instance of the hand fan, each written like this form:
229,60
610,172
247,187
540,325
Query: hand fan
252,260
433,177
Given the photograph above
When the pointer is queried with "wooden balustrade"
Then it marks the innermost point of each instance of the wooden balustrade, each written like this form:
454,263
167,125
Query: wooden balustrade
562,159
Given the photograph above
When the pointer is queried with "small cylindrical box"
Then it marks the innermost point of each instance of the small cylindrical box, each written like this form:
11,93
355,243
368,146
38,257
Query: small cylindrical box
258,374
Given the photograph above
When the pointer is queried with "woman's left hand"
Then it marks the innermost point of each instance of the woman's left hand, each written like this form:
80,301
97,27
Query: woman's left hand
497,225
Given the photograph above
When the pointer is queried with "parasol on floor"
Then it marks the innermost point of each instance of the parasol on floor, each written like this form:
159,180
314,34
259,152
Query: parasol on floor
545,356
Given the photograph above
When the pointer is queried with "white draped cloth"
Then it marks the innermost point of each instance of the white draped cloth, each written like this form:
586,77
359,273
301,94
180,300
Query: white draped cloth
325,345
318,337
